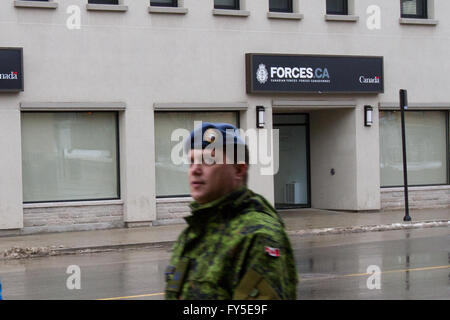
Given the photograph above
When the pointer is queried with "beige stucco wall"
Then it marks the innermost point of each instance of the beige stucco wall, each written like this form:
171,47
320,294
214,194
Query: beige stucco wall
143,59
11,216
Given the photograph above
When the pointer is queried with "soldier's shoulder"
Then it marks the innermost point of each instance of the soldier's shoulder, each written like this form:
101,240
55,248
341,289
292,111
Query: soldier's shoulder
254,221
257,209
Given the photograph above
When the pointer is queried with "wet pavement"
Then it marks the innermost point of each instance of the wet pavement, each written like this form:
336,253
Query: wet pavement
414,264
298,222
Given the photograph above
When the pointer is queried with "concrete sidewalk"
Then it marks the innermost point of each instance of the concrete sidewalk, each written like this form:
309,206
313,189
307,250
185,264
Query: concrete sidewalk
298,223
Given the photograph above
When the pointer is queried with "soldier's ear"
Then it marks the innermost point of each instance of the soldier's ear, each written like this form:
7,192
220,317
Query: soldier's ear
241,170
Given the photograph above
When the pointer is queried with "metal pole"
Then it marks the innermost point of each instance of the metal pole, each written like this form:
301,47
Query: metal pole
403,107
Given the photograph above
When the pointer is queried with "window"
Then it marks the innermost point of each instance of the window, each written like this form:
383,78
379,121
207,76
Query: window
103,1
337,7
414,9
280,5
164,3
69,156
171,179
427,148
226,4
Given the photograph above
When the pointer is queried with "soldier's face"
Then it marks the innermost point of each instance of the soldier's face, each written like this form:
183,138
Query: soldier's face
208,182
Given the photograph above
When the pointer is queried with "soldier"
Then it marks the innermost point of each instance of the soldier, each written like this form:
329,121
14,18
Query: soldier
234,246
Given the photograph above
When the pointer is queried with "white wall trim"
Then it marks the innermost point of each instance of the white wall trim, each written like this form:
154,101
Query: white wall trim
341,18
170,10
415,106
285,15
424,22
410,188
232,13
35,4
174,200
72,106
106,7
314,103
219,106
72,204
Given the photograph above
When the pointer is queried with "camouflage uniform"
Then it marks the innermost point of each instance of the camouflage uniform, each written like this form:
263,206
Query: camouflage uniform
233,248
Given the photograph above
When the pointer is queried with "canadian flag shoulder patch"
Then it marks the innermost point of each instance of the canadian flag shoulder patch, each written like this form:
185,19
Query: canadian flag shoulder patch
273,252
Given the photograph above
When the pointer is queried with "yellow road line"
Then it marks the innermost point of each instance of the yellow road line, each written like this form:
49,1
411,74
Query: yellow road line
137,296
337,276
400,270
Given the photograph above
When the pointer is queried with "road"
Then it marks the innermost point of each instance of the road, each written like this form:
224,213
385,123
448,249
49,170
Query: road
413,264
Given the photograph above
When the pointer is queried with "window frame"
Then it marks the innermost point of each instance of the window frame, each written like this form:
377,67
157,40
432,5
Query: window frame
423,15
118,197
447,129
237,6
238,122
343,13
105,4
290,8
173,4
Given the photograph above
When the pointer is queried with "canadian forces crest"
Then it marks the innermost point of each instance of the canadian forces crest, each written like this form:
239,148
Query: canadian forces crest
261,74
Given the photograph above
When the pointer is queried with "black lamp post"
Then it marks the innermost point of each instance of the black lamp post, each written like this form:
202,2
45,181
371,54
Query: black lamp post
403,107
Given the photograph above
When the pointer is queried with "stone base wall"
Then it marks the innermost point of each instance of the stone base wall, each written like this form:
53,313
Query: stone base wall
171,210
419,198
54,218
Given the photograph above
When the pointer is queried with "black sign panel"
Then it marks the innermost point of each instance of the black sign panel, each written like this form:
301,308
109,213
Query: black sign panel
11,69
278,73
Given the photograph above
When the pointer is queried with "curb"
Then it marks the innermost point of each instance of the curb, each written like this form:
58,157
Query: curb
371,228
37,252
32,252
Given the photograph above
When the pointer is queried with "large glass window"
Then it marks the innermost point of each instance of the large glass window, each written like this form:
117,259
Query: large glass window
69,156
414,9
280,5
337,7
172,179
426,148
164,3
226,4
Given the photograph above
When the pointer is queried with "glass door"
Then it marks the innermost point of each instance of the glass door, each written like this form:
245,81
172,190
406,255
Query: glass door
292,182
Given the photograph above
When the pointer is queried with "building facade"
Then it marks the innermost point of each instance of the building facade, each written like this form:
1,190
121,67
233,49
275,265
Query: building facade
92,93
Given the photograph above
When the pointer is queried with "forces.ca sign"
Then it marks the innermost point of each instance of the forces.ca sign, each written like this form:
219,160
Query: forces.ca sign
278,73
11,69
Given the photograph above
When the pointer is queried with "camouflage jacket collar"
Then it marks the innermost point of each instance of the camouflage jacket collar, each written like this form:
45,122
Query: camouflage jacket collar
218,208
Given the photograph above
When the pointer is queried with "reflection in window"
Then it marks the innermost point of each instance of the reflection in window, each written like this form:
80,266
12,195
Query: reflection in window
164,3
69,156
280,5
337,7
104,1
172,178
414,8
226,4
426,148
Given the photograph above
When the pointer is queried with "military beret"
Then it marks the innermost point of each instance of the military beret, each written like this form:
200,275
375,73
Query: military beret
220,133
